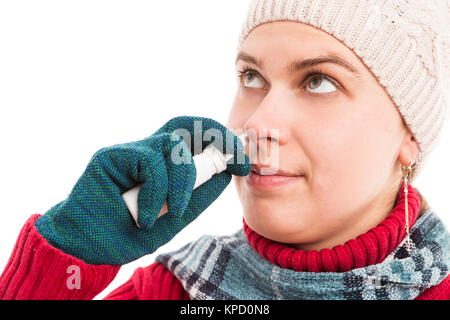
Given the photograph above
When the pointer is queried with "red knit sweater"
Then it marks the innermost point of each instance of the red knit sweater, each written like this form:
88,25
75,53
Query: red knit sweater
36,270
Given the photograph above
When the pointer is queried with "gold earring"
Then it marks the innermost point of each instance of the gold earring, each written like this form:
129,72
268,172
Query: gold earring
407,173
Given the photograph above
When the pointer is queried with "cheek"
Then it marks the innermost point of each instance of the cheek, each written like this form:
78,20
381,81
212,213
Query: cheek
379,136
350,151
381,122
329,146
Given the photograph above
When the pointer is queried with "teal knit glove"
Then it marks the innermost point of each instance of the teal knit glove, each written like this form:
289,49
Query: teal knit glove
94,224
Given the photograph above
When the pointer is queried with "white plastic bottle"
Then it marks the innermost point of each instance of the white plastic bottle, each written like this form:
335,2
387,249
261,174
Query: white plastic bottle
208,163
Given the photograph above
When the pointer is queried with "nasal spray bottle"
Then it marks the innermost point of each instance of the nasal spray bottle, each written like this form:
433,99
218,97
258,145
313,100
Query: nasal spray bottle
208,163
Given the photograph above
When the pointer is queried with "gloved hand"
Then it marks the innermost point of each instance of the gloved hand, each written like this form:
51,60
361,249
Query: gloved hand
94,224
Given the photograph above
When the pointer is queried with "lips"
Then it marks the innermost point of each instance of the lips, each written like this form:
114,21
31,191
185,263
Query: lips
257,178
267,171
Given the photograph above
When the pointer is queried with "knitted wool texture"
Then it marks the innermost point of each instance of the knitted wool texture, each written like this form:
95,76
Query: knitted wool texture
404,43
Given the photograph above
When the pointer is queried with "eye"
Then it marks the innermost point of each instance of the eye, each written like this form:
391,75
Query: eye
250,78
319,83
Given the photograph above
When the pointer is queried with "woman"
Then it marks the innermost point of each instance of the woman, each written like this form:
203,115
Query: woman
353,96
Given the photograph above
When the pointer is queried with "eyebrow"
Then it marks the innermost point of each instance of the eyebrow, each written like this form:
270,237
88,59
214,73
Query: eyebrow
300,64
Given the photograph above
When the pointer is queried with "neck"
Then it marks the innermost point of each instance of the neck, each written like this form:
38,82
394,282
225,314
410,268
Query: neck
367,217
366,249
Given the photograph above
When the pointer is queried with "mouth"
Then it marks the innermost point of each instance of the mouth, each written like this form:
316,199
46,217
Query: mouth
260,179
267,171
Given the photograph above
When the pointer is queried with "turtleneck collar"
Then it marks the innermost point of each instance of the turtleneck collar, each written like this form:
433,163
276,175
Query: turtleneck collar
367,249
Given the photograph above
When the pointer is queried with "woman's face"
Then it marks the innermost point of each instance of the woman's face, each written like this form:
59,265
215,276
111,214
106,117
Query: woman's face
335,126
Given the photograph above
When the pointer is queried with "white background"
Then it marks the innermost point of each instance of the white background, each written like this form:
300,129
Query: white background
76,76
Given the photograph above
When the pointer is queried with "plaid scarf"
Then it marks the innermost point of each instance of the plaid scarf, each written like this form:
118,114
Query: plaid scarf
227,267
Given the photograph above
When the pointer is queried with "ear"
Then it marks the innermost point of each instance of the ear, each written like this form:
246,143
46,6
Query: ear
409,149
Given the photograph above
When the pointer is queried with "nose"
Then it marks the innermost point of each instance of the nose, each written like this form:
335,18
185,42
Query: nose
269,120
268,131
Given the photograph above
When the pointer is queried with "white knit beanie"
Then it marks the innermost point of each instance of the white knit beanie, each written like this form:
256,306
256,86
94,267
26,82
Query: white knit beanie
405,44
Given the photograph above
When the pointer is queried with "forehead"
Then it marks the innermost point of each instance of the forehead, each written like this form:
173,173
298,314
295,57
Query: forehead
282,40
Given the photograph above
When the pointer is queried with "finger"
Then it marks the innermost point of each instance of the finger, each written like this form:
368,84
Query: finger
181,173
204,131
153,192
117,166
239,164
203,196
168,225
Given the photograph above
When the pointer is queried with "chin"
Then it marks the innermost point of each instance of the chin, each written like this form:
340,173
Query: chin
276,226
